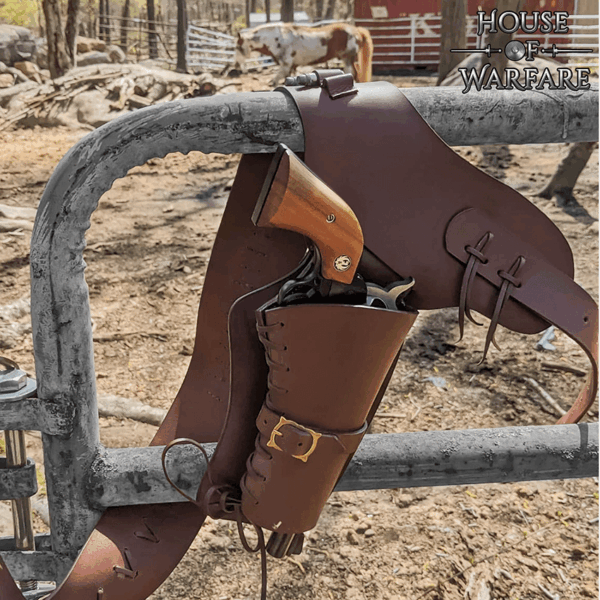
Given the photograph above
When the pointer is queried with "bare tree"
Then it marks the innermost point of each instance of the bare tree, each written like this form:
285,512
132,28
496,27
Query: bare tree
182,25
124,26
453,35
318,9
152,38
287,11
564,179
103,20
62,43
330,9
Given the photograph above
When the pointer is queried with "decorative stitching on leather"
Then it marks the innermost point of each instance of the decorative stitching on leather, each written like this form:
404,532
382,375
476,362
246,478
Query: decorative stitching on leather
476,257
150,536
508,282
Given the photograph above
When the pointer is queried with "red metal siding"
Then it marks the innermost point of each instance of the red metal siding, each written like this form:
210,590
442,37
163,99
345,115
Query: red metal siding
400,8
406,32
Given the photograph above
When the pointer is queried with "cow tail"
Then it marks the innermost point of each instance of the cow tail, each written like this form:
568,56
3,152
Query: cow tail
365,55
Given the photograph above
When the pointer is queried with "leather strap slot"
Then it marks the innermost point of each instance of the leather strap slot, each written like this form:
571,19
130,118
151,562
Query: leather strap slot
542,288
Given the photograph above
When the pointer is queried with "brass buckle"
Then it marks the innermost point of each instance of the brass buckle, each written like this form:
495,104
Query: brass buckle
272,443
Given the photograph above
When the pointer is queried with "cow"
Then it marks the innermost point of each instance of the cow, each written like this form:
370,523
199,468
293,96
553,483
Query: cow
296,45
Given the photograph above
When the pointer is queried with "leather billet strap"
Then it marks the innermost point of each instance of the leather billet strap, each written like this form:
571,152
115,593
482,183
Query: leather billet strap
537,285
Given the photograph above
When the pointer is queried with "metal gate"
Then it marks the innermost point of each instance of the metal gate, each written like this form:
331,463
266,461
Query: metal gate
210,50
83,477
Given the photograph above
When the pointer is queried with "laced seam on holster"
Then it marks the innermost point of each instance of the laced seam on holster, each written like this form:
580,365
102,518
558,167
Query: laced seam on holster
227,503
476,257
263,332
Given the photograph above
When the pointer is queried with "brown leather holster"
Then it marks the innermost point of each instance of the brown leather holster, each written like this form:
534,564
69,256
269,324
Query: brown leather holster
329,365
466,238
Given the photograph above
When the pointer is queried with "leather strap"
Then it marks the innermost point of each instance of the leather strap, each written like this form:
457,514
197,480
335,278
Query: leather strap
301,440
537,285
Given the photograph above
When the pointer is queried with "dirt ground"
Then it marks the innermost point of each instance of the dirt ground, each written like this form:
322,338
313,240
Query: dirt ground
148,249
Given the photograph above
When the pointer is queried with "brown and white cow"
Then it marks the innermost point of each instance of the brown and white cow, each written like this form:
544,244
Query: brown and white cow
296,45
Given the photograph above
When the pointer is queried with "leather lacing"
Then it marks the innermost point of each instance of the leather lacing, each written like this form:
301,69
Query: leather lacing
509,280
263,332
228,502
476,257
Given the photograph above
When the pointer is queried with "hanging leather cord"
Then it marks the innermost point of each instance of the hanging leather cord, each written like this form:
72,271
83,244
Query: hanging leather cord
476,258
508,282
227,503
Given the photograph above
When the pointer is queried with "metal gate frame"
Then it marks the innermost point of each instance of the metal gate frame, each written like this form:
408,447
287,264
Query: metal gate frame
83,478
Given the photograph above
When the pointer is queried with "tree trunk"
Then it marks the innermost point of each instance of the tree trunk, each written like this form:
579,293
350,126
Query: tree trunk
59,61
453,35
71,29
330,9
563,181
499,61
101,20
318,10
124,26
268,10
287,11
247,7
152,39
182,26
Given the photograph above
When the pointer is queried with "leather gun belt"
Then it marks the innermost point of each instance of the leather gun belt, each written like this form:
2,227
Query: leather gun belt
466,238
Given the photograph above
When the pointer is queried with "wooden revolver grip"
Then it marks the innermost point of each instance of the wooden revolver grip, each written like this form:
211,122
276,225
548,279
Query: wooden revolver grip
294,198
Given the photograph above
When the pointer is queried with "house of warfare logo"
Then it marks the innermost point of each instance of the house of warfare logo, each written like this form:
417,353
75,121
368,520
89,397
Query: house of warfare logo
545,22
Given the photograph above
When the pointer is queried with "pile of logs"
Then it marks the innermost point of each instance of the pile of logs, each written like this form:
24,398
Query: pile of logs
93,95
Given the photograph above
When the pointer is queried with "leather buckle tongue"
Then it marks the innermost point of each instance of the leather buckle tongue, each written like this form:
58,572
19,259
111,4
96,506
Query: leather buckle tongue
272,443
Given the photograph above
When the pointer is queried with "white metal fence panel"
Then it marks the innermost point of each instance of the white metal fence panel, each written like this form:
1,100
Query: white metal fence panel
214,51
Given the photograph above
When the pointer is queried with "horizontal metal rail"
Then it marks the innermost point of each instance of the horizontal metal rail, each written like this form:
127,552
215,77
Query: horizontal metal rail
235,123
392,460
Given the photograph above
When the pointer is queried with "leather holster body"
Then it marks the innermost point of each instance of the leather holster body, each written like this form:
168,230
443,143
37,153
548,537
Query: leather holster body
328,366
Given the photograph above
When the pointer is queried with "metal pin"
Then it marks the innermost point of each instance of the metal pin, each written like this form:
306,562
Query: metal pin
12,381
16,456
330,218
